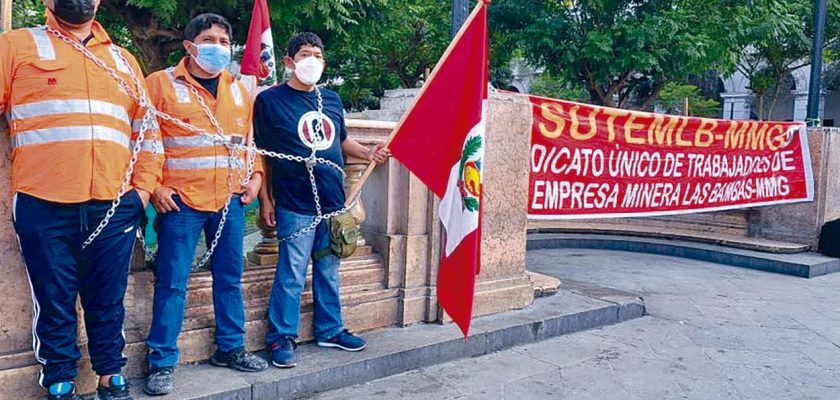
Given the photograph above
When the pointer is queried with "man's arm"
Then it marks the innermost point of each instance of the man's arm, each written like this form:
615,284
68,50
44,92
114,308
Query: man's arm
148,171
267,217
378,154
6,61
252,190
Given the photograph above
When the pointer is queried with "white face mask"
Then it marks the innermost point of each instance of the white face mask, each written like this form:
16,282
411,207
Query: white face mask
309,70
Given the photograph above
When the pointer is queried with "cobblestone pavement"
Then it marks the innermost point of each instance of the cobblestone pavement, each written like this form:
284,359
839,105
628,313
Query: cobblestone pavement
713,332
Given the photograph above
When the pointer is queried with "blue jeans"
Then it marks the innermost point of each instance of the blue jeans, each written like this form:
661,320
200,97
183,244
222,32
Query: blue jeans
290,277
177,237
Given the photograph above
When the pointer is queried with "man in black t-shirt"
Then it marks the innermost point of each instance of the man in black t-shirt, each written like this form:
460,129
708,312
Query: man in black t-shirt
296,118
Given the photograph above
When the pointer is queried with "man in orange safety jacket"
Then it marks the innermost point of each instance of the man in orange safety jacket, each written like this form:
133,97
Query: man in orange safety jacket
72,129
201,177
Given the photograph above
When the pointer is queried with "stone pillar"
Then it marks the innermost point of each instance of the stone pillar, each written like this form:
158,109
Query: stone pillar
801,222
736,105
503,284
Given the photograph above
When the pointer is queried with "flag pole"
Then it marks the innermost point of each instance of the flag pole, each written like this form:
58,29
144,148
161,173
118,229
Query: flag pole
357,189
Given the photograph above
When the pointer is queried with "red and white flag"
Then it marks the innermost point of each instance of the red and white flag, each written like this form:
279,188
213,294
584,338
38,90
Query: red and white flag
258,56
441,140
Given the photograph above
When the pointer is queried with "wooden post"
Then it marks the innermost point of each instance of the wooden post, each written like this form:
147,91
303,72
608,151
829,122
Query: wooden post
5,15
685,107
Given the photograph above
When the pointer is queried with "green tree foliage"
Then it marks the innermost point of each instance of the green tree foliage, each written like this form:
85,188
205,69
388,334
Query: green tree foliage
674,95
623,51
156,26
371,45
27,13
398,41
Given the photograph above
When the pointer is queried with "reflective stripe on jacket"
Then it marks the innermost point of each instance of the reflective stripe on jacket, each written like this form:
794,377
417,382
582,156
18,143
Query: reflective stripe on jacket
70,123
195,167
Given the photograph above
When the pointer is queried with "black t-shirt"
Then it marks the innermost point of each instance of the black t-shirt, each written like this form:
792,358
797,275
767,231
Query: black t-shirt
284,119
212,84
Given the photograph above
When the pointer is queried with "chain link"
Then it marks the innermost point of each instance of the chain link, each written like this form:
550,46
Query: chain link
140,97
233,163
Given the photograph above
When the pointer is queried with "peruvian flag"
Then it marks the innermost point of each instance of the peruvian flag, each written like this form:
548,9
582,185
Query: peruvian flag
441,140
258,56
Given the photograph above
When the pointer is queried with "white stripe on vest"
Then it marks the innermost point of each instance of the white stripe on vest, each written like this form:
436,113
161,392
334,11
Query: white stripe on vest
43,43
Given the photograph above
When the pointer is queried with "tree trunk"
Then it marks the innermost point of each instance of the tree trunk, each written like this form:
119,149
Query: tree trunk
776,94
155,43
760,97
654,95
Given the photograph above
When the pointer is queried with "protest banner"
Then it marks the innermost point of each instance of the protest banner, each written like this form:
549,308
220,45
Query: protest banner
595,162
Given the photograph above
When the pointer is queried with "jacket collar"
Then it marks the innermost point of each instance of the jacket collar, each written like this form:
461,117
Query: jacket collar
98,32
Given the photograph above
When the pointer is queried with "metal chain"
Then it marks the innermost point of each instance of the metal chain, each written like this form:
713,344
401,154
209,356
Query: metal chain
139,96
310,168
147,123
232,164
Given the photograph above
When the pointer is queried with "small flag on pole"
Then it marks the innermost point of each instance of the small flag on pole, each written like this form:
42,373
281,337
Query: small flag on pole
441,140
258,56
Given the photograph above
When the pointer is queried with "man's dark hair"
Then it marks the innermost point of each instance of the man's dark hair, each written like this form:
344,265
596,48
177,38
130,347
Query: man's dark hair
302,39
206,21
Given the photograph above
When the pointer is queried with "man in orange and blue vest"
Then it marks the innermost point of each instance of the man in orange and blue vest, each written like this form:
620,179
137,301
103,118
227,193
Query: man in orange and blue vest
73,129
203,184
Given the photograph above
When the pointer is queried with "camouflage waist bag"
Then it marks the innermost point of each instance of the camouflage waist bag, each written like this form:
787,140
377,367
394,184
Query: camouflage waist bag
344,235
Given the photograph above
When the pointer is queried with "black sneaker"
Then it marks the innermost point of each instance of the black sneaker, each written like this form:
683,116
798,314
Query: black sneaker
159,382
117,391
63,391
239,360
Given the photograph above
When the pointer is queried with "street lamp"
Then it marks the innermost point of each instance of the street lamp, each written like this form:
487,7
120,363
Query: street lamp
815,85
459,15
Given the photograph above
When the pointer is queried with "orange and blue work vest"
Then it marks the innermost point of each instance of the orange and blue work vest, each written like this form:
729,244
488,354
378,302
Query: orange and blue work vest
71,125
195,166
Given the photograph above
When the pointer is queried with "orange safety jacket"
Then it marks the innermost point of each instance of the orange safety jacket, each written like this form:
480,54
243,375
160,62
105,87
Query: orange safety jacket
72,126
196,167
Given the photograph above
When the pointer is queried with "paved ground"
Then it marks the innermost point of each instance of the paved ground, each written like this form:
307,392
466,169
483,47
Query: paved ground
714,332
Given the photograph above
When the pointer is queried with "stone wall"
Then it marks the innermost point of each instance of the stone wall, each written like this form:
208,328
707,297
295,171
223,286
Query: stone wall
801,223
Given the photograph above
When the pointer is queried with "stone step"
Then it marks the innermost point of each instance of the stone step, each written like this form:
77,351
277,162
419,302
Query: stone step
804,264
395,350
654,231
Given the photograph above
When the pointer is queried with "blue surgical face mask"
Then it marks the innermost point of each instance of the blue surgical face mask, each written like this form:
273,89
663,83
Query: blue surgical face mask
212,58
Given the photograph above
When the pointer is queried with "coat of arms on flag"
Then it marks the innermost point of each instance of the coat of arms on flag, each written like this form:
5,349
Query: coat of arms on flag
470,183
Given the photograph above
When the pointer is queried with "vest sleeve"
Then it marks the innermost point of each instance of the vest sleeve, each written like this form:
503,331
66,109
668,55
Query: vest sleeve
6,60
148,172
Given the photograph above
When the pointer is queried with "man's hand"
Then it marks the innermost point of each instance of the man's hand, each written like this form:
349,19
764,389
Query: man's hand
252,190
162,200
379,154
267,217
144,196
